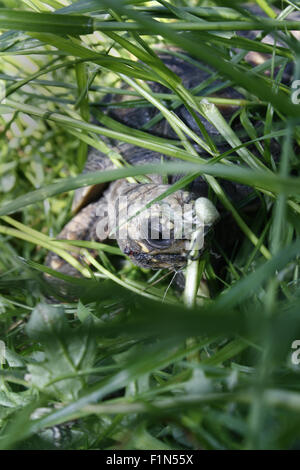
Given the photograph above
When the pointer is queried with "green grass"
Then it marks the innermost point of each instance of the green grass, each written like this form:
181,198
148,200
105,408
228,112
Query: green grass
136,363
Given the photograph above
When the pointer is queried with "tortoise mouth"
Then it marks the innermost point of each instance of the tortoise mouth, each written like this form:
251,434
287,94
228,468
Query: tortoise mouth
158,261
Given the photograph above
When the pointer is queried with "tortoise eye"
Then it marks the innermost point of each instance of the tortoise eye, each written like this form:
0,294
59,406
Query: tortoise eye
155,237
159,242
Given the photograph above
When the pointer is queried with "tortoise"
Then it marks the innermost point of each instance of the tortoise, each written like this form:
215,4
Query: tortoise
103,212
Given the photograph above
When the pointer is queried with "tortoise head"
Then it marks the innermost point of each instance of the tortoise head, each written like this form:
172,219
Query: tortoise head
159,232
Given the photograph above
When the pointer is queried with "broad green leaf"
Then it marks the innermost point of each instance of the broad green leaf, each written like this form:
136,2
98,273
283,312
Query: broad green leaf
66,352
